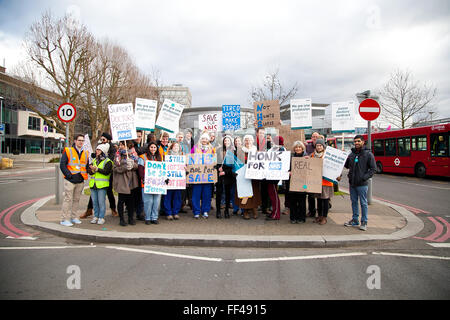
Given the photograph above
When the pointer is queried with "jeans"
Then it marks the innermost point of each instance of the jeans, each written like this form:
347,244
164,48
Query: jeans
172,202
151,205
99,202
361,193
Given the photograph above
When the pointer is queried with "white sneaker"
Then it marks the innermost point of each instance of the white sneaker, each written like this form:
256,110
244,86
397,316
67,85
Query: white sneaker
101,221
76,221
66,223
94,221
205,215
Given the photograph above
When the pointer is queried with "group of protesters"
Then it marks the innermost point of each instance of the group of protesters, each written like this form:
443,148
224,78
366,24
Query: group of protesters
121,167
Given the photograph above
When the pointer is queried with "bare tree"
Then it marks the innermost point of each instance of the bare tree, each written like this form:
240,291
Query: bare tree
406,100
273,89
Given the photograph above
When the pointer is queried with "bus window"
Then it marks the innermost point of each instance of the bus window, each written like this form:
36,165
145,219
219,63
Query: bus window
378,147
419,143
390,149
404,147
439,145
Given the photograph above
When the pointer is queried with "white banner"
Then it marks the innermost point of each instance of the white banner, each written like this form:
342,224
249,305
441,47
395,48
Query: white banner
145,114
243,185
301,114
333,163
210,121
271,165
343,116
169,116
176,172
121,117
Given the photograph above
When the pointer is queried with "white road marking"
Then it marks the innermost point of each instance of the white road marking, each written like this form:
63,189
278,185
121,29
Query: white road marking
337,255
166,254
410,255
46,248
424,185
21,238
439,245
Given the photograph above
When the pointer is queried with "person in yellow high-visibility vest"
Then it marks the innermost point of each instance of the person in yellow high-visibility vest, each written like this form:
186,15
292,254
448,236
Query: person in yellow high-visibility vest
100,171
73,164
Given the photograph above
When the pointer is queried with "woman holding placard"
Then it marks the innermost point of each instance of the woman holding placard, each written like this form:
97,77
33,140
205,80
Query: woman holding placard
225,161
172,200
151,201
296,200
327,187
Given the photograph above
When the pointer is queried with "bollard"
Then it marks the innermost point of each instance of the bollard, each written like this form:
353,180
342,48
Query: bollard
59,185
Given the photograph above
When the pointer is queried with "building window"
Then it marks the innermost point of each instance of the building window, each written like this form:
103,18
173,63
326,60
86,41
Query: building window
50,129
34,123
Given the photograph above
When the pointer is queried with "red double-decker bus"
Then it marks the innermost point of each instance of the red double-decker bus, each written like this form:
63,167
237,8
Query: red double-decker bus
421,151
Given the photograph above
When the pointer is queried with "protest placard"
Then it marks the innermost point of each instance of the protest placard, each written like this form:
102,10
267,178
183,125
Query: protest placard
121,118
231,117
243,185
290,136
301,114
145,114
306,175
155,177
201,168
270,165
333,163
210,121
169,116
176,172
343,117
267,113
88,146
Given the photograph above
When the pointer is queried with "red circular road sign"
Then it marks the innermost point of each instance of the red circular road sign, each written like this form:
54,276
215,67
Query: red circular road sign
369,109
66,112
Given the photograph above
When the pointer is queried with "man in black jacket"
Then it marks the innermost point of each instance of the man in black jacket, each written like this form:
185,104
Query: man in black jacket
361,165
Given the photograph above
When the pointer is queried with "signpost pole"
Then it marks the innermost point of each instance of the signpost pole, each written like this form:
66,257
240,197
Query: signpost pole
369,145
67,135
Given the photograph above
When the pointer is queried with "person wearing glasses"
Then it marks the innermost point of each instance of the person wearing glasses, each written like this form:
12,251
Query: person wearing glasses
105,138
73,164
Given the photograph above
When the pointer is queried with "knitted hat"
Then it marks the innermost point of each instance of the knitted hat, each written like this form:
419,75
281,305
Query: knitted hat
107,136
320,141
104,147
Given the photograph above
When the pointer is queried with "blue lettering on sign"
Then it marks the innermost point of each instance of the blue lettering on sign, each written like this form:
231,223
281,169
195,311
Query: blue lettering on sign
123,135
275,166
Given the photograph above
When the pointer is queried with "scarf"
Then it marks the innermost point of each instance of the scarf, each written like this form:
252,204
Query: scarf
318,154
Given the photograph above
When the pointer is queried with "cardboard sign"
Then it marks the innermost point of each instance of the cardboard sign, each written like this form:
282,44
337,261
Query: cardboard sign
267,113
87,146
145,114
176,172
169,116
301,114
121,117
271,165
343,116
201,168
155,177
333,163
290,136
231,117
243,185
306,175
210,121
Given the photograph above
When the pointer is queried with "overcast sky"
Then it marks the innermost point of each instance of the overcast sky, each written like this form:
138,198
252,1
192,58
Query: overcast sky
219,49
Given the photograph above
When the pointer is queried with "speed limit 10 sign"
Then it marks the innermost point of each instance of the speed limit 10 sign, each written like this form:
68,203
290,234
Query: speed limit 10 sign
67,112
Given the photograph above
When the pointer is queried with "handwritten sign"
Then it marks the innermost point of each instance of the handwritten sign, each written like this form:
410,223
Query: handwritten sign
271,165
290,136
87,146
306,175
333,163
210,121
145,114
201,168
244,186
301,114
176,172
121,118
155,177
231,117
267,113
169,116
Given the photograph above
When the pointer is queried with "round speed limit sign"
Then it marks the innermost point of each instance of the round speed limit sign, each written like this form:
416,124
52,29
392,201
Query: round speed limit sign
67,112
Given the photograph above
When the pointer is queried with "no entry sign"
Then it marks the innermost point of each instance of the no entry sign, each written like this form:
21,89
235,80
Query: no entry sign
369,109
66,112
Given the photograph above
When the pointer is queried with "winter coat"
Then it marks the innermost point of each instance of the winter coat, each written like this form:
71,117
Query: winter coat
361,165
125,180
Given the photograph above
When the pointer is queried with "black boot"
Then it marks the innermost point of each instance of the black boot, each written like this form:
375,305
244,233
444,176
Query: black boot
227,213
219,214
131,220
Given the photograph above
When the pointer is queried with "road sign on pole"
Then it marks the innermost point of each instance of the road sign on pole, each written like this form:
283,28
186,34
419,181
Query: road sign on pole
67,113
369,109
